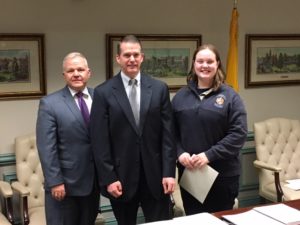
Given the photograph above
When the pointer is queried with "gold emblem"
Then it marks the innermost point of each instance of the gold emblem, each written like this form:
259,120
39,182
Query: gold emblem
220,100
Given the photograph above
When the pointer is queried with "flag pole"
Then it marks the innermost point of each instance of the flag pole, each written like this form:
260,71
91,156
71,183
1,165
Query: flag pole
234,4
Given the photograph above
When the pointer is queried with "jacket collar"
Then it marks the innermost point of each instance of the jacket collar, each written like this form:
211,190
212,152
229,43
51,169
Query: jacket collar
193,87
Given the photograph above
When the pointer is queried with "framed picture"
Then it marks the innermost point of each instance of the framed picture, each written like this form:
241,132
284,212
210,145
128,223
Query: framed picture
272,60
22,66
167,57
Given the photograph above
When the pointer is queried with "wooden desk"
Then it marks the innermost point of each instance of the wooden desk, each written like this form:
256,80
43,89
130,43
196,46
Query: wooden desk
295,204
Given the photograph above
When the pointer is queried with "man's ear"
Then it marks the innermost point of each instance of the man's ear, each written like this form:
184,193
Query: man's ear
117,58
143,56
90,72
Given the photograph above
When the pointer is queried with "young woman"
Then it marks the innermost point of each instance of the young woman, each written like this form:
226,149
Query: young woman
211,128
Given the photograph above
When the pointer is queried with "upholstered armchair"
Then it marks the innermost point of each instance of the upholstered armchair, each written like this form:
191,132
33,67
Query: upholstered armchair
30,181
277,142
30,184
6,217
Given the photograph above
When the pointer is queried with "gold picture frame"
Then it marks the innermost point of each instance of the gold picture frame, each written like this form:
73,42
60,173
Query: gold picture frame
22,66
272,60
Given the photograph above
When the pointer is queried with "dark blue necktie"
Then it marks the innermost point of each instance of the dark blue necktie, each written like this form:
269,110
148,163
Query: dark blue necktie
83,108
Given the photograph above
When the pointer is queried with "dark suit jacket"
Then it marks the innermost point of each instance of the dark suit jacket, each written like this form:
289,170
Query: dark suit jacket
63,144
120,147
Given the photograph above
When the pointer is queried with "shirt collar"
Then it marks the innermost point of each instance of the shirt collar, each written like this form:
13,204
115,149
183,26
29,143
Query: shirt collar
126,78
205,93
85,91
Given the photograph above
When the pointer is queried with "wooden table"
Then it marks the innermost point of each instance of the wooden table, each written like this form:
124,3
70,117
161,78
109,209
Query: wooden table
294,203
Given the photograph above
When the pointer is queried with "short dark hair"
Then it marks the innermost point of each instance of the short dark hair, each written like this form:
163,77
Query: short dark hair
128,38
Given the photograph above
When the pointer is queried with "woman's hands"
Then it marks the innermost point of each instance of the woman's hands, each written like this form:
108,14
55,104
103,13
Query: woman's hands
194,161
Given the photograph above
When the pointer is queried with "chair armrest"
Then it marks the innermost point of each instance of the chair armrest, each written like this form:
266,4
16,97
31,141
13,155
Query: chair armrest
21,189
263,165
7,206
5,189
23,192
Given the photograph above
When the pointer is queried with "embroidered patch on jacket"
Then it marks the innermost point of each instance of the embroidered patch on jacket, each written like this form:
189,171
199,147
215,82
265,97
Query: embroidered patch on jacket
220,100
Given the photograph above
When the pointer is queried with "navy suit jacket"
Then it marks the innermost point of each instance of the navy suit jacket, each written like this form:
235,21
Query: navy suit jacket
121,148
63,144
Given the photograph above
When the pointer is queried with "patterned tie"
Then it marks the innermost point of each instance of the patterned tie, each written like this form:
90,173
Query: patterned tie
83,108
133,100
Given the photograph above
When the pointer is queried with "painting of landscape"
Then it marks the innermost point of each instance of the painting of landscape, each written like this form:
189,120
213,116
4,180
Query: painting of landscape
278,60
14,66
166,62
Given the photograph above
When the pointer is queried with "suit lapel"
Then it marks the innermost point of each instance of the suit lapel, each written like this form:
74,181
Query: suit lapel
70,102
121,96
91,92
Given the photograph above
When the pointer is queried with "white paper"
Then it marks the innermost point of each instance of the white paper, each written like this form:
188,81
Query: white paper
293,181
201,218
293,184
251,217
277,214
198,181
281,212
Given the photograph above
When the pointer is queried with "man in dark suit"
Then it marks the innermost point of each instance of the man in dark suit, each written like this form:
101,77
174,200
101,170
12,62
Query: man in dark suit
63,141
133,142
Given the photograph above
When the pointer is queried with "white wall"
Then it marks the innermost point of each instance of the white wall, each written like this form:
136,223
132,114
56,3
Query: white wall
80,25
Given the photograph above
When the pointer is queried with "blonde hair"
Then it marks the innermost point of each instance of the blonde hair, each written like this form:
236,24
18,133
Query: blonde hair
73,55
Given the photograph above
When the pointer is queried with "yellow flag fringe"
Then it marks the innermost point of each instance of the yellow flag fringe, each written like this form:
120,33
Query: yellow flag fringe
232,57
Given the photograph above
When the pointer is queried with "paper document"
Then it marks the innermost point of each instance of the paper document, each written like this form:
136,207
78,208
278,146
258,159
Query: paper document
249,218
201,218
278,214
293,184
198,181
281,212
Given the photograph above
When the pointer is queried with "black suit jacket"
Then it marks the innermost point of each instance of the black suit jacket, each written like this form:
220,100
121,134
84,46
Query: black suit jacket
120,147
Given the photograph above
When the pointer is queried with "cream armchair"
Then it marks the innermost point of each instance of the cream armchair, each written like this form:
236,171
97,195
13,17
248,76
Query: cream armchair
30,184
30,181
277,142
6,217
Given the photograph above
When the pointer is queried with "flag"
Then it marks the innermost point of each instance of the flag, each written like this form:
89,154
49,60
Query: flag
232,57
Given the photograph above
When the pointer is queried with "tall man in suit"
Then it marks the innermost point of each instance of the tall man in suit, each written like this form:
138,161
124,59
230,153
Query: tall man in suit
133,145
63,141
